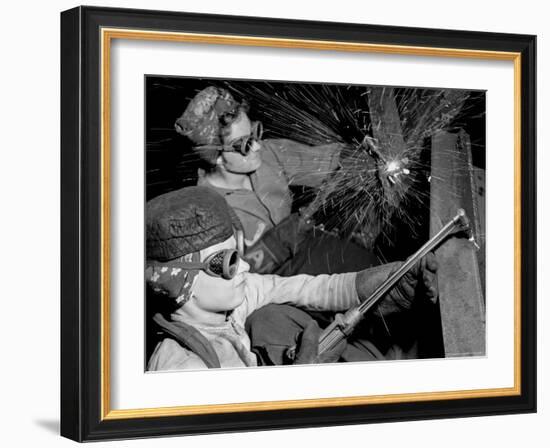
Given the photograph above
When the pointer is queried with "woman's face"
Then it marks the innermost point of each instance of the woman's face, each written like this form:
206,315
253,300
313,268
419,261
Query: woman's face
216,294
235,162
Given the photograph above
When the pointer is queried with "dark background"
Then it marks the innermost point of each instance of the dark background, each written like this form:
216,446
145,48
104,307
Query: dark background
171,163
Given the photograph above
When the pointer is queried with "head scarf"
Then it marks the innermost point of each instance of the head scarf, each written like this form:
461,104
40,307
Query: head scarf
174,282
203,119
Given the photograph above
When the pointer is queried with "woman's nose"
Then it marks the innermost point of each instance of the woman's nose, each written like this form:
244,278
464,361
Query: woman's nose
243,266
255,146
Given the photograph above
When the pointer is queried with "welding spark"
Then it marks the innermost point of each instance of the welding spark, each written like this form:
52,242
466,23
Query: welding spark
354,199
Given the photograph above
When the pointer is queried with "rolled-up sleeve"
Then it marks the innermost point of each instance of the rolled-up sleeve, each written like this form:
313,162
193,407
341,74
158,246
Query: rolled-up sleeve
303,164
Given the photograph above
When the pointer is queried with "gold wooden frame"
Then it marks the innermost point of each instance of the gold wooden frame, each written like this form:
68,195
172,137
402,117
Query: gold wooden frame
107,35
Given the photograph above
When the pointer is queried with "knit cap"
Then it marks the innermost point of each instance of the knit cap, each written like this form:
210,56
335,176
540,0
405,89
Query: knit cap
179,225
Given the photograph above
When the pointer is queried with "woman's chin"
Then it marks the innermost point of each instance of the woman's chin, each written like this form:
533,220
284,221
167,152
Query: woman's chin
238,301
248,166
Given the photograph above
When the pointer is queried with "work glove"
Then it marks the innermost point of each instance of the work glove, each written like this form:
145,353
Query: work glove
307,350
420,282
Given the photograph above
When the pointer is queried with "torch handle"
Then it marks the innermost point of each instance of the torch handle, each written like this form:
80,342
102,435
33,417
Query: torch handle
343,326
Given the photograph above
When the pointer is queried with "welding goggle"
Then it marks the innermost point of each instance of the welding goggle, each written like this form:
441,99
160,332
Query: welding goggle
242,145
223,263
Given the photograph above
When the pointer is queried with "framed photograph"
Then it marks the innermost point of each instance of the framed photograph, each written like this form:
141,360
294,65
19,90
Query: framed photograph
278,224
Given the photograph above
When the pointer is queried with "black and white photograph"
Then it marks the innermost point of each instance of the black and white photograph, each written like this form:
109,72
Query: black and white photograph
282,224
291,223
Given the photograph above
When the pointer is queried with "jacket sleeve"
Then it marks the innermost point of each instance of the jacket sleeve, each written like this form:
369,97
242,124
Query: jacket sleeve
304,164
335,292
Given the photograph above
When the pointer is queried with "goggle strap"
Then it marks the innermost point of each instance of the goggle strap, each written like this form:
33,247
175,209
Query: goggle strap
227,267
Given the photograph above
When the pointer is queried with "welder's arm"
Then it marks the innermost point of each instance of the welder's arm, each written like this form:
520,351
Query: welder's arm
323,292
356,162
340,292
304,164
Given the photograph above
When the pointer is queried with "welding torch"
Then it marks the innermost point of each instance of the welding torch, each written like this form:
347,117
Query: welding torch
344,324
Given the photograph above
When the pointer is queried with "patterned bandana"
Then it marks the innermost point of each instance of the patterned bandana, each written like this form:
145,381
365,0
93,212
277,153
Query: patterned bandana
203,118
170,280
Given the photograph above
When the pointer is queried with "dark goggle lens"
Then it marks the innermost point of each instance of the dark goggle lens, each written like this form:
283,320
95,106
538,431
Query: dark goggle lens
244,146
224,264
216,264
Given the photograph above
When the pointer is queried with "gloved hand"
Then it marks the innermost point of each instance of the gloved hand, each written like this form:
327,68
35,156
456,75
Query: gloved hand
420,282
307,350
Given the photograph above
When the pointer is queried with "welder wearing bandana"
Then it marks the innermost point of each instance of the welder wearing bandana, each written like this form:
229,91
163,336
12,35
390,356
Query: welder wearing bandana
193,265
254,175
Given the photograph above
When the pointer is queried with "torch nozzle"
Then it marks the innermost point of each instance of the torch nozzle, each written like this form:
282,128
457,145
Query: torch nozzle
463,223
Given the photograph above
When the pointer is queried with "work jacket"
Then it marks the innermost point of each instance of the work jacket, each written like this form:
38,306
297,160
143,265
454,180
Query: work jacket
284,163
231,343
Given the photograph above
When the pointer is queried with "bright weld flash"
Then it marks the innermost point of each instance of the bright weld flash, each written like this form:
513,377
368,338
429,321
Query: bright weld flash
394,169
392,166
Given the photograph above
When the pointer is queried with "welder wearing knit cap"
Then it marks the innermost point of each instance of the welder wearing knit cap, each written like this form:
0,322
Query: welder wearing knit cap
254,175
192,260
179,225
